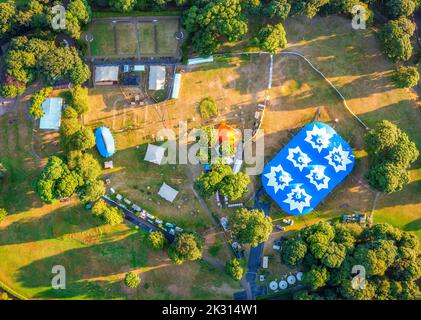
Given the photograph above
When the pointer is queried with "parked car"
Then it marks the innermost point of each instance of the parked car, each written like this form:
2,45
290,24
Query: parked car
279,227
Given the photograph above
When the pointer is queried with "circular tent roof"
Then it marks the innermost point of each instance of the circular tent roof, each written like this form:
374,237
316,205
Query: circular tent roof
273,285
283,284
104,142
299,276
291,279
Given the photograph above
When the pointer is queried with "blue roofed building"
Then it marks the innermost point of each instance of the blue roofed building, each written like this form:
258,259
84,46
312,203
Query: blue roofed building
105,142
310,166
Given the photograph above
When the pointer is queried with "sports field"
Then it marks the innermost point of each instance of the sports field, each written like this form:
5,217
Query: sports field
134,37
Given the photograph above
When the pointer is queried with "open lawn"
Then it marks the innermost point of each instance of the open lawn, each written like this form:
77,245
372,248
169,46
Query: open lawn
104,39
147,38
96,257
131,37
126,38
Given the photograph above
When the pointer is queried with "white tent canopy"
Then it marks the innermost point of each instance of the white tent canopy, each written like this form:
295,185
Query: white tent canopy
106,74
52,114
167,192
156,78
154,154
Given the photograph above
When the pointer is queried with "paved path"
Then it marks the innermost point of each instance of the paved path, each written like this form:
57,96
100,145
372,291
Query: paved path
131,216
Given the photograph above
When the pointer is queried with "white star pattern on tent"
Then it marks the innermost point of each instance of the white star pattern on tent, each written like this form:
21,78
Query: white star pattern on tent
338,158
318,178
278,178
298,158
298,199
318,138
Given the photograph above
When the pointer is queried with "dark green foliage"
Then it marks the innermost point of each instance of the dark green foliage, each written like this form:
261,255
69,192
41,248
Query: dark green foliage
398,8
277,8
110,215
271,38
208,108
36,103
214,22
92,191
186,247
132,280
250,226
391,154
3,214
234,269
406,77
56,181
396,39
83,139
391,259
223,179
156,240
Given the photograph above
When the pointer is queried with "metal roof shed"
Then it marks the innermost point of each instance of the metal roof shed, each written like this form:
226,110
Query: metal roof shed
157,78
51,119
176,86
106,74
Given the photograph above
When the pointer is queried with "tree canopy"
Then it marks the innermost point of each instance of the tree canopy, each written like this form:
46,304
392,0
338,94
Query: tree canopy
406,77
396,38
132,280
222,178
250,226
391,153
186,247
234,269
156,240
271,38
327,253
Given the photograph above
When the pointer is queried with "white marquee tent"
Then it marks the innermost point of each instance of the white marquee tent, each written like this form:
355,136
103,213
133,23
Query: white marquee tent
154,154
167,192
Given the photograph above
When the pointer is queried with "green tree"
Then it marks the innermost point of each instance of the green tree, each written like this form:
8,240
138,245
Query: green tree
36,103
7,17
84,164
156,240
81,10
3,214
293,251
398,8
406,77
315,278
234,269
235,185
278,8
83,139
387,177
213,22
250,226
132,280
186,247
3,171
123,5
208,108
271,38
80,99
395,36
92,191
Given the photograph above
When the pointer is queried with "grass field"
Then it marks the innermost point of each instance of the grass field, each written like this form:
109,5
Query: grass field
147,38
104,39
96,257
130,38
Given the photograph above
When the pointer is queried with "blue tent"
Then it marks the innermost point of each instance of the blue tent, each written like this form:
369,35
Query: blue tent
310,166
105,142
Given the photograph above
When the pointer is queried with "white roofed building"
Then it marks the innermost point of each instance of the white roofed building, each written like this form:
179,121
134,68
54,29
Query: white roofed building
154,154
106,74
167,192
176,86
157,77
51,119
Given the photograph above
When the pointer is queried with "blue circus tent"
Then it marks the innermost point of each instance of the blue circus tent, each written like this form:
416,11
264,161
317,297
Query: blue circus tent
105,142
308,168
